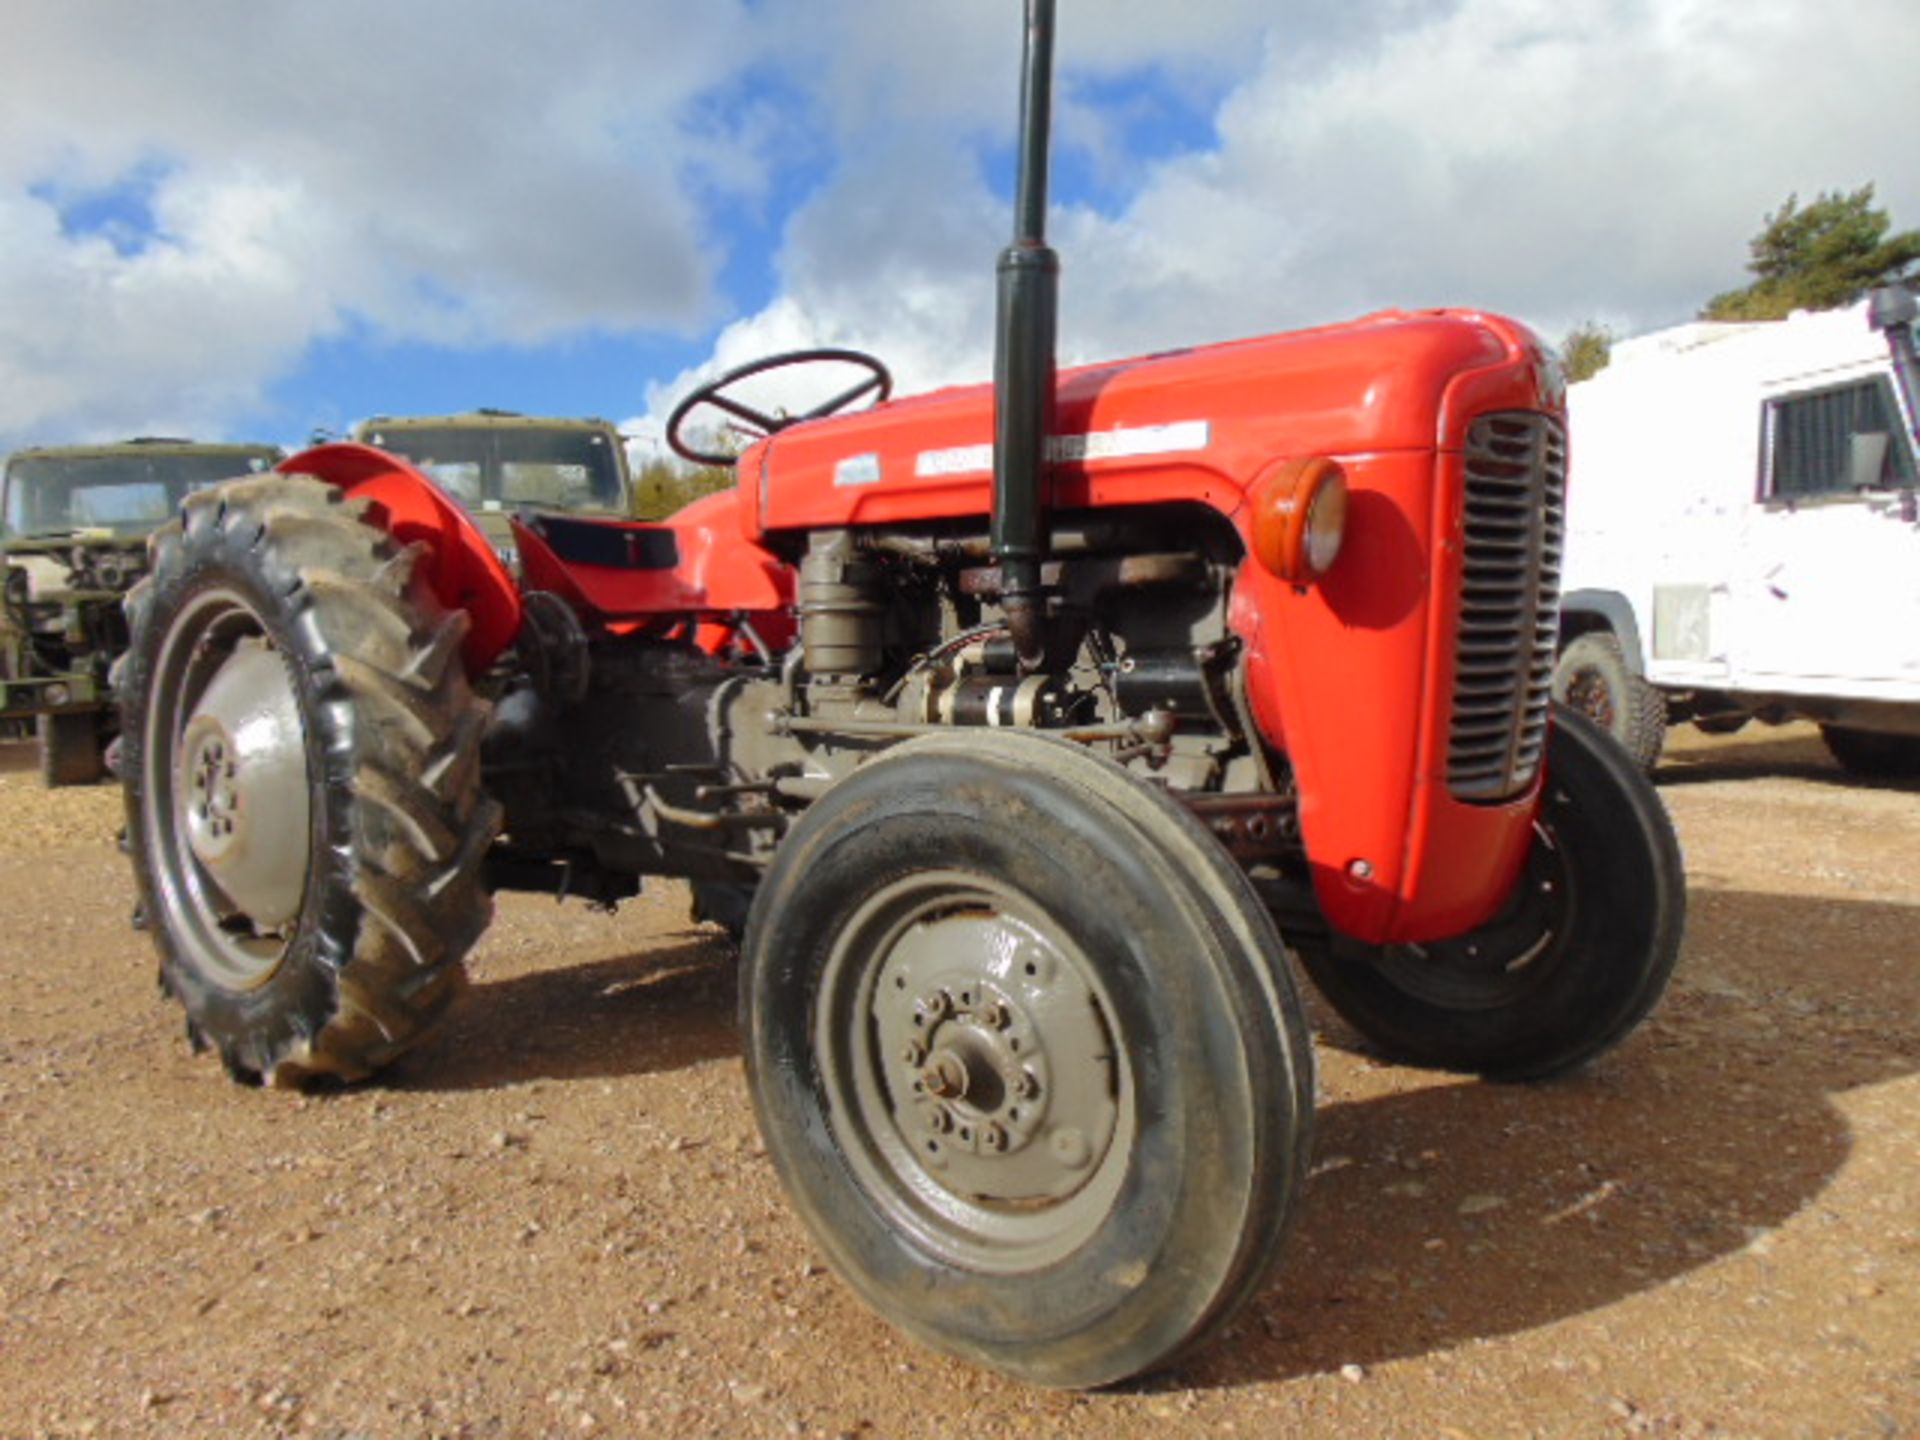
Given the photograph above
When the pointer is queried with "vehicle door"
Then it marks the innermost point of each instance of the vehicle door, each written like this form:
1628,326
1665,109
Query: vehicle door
1828,594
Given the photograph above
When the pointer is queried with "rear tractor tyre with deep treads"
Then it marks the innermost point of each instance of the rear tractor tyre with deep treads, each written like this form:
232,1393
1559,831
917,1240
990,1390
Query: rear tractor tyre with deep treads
300,757
1026,1054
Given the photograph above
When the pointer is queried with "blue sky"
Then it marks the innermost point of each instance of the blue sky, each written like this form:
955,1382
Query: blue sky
276,216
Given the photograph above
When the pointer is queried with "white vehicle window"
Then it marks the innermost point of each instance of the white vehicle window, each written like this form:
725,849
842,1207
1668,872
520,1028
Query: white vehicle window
1810,440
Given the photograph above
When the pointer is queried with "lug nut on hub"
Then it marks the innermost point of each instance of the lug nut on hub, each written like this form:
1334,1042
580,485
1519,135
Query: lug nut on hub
945,1076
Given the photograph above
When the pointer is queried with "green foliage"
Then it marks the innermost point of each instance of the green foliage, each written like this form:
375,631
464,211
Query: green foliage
1819,257
1586,350
663,486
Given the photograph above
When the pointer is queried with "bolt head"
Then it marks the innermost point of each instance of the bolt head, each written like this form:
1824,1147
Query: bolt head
1069,1147
945,1075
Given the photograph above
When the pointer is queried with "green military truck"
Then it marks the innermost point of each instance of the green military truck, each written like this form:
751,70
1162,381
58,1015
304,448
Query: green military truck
495,462
74,521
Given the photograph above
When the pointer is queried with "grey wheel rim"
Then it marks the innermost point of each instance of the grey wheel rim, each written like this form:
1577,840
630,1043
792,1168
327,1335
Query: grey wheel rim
974,1077
228,807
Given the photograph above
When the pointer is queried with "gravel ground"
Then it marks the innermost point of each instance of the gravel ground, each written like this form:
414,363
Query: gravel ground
556,1219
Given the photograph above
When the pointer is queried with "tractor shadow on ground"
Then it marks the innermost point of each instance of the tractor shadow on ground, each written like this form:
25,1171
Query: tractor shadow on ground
18,755
664,1008
1463,1211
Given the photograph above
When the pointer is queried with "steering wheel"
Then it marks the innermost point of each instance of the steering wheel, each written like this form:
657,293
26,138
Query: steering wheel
878,383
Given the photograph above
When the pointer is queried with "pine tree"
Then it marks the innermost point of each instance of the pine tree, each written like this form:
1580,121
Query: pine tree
1819,257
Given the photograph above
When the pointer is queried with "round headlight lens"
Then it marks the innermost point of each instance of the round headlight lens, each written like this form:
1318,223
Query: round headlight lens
1326,523
1300,518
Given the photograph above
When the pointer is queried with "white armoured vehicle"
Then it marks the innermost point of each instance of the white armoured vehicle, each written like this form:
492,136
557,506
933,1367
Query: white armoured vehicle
1742,533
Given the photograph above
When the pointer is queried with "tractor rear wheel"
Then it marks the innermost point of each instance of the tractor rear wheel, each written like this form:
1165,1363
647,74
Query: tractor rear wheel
1576,959
300,756
70,751
1026,1054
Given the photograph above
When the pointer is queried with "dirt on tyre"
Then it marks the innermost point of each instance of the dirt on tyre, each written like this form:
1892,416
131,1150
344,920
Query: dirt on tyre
69,747
1583,948
1024,1049
300,758
1592,677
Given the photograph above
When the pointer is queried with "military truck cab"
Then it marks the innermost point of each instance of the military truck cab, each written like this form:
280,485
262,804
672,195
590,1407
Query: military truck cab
74,522
1743,538
496,462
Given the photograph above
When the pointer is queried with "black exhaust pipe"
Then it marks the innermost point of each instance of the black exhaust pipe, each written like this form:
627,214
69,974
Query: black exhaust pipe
1023,362
1894,310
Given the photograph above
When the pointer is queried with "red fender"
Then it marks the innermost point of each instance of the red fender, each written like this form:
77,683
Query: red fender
461,566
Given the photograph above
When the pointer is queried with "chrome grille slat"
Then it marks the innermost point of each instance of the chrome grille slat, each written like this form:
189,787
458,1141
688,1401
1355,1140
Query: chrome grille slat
1514,511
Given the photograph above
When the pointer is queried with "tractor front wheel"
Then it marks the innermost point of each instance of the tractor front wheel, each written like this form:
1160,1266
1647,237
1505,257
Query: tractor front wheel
1025,1052
301,767
1577,957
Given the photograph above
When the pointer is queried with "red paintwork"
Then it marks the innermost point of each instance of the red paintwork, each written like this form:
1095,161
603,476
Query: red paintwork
721,570
460,564
1351,677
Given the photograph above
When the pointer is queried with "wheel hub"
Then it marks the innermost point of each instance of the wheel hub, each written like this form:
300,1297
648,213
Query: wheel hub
997,1067
1593,697
240,786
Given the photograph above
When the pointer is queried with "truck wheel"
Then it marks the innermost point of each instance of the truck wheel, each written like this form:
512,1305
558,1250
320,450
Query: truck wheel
1592,677
69,749
722,903
1025,1055
1872,754
301,761
1578,956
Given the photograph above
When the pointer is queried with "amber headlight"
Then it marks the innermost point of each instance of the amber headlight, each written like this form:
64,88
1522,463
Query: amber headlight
1300,518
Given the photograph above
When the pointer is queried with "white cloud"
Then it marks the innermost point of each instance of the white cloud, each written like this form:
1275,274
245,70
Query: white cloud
470,173
1559,162
486,173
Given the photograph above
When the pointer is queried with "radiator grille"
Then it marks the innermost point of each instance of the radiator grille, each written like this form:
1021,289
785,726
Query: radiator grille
1515,523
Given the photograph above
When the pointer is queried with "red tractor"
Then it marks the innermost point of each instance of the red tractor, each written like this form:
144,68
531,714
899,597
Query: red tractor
1027,728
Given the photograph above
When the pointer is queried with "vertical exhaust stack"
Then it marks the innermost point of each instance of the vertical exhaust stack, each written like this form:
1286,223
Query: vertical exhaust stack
1894,310
1024,360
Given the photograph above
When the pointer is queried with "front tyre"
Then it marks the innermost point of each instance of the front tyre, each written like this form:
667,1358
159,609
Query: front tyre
1576,958
1592,676
1026,1056
300,758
